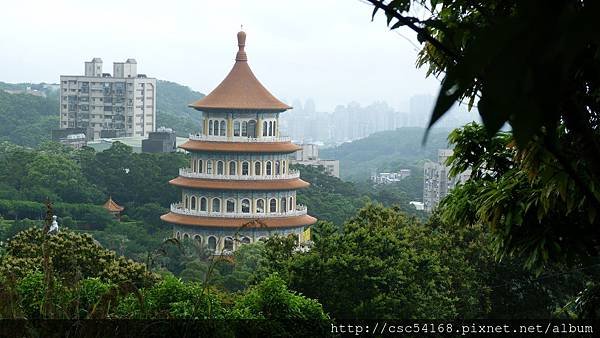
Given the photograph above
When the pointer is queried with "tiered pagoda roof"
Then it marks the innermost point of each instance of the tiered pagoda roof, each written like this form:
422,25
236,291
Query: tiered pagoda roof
199,183
246,147
240,89
221,222
111,206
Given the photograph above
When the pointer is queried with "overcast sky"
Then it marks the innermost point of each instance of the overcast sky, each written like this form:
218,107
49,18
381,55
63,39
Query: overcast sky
328,50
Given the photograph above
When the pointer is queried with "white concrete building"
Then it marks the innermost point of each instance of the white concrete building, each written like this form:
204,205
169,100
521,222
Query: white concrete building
121,105
437,184
309,155
389,178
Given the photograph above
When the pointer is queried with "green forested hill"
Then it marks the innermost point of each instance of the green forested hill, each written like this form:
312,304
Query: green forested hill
172,110
27,119
386,151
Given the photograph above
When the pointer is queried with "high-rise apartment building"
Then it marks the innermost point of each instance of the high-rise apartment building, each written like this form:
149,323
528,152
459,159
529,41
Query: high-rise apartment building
118,105
437,184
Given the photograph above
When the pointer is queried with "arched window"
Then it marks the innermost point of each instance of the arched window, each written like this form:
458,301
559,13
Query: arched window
265,128
283,167
212,243
245,168
246,206
216,127
291,207
273,205
274,128
200,166
257,168
223,129
216,205
252,128
185,202
193,203
245,240
209,167
244,128
193,165
202,203
283,205
198,239
277,168
232,167
220,168
260,206
270,128
186,236
228,244
178,235
210,127
230,205
269,170
236,128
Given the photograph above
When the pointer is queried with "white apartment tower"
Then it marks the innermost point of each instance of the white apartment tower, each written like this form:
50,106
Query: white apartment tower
437,184
120,105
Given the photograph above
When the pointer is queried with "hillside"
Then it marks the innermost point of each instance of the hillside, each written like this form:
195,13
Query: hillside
386,151
27,119
172,110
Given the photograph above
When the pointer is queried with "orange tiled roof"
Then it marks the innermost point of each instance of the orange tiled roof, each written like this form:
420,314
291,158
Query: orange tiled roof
240,89
199,183
276,222
249,147
111,206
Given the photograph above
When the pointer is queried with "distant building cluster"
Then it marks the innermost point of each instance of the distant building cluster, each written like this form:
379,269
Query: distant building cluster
101,105
309,155
388,178
352,122
437,184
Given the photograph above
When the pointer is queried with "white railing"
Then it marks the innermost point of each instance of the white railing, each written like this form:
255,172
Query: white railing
178,208
212,138
187,172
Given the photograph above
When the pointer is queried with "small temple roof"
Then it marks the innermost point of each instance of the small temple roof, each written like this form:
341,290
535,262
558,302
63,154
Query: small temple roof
245,147
111,206
240,89
219,222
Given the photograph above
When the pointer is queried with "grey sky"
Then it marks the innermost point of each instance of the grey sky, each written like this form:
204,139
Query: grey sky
328,50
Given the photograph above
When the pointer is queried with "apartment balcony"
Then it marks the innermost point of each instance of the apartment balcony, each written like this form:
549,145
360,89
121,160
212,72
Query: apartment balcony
212,138
177,208
187,172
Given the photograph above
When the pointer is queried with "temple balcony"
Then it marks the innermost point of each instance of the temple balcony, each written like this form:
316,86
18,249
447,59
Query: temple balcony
177,208
187,172
212,138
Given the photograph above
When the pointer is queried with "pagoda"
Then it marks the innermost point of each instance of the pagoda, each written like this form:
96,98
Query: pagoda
113,208
238,188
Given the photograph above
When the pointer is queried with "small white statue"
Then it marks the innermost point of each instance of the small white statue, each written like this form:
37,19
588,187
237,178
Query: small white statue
54,226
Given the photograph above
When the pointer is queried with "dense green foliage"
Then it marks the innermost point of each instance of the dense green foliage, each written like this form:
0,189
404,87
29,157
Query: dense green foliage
172,109
27,119
386,151
331,199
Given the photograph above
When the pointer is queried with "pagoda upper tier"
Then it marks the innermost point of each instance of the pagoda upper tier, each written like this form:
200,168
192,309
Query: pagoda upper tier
240,89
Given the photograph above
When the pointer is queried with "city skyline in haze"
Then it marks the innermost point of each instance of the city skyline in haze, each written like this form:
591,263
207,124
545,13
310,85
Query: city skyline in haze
328,51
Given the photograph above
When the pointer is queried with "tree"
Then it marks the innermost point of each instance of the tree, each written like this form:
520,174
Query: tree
533,65
382,264
531,208
74,256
